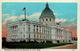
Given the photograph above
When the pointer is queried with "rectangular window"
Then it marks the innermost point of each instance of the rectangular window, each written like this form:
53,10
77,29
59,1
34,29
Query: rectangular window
50,19
43,19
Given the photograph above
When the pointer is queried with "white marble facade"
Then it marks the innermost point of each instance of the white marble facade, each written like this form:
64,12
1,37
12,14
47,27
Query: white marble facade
25,30
45,30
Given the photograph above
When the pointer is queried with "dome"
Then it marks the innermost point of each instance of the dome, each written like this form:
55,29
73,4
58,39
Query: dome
47,12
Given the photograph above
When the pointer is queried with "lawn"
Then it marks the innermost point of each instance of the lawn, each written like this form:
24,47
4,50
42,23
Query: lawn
31,45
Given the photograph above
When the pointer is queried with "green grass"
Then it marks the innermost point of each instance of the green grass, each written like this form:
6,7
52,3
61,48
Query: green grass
31,45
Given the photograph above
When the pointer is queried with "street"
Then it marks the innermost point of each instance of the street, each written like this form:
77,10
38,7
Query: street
69,46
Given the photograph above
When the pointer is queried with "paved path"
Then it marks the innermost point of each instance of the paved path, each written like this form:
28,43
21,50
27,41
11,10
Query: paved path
69,46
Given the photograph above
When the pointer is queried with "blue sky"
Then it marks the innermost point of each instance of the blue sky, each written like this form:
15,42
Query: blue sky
66,12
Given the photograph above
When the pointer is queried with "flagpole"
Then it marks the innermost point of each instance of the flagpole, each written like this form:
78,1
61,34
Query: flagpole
25,13
24,9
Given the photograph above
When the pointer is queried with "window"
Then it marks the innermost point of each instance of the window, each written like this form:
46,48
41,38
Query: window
34,28
34,35
40,29
46,19
29,27
37,36
24,35
34,25
37,30
40,36
43,19
14,27
44,37
50,19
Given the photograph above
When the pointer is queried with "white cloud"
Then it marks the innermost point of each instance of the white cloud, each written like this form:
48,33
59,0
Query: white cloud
60,20
6,15
33,17
72,20
9,18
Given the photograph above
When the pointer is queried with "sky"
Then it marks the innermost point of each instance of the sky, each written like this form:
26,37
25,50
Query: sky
66,13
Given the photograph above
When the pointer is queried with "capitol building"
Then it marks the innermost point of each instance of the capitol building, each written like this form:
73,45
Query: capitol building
44,30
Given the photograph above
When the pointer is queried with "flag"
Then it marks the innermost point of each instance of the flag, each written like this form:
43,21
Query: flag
24,8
